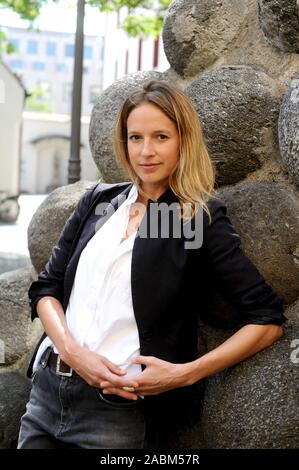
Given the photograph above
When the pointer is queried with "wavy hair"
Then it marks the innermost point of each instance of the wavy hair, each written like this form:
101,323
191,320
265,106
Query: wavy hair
193,178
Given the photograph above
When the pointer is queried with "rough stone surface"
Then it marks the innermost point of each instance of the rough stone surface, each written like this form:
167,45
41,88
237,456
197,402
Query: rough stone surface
255,403
266,217
252,47
288,130
49,220
13,261
18,335
279,20
239,112
196,33
103,119
14,394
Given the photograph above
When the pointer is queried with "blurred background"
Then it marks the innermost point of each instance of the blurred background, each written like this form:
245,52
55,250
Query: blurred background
46,85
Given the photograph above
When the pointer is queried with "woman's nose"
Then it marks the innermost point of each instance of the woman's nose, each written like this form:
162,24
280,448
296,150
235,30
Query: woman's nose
147,147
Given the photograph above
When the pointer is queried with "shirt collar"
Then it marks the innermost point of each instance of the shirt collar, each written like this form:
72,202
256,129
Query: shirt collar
133,194
168,196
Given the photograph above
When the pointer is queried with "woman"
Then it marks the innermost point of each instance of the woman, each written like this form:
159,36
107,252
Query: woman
121,294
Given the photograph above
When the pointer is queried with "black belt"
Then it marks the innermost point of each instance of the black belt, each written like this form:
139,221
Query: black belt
60,367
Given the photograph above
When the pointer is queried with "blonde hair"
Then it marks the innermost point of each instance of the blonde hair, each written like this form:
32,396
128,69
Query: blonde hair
193,178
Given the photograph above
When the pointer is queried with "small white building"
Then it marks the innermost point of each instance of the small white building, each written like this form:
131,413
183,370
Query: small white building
12,97
46,150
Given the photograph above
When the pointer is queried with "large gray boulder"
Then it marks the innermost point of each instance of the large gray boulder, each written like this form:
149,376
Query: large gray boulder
103,119
195,34
14,394
255,403
239,111
18,334
279,20
288,130
49,220
266,217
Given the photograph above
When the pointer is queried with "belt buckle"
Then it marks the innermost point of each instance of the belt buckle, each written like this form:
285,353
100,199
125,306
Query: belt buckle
59,372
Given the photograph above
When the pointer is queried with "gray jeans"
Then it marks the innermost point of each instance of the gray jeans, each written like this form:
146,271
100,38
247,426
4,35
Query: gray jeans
65,412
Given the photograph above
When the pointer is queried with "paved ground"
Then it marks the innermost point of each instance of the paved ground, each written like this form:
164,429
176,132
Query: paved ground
13,237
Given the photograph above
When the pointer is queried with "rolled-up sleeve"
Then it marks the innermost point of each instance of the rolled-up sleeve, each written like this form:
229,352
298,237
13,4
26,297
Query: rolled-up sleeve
239,279
50,280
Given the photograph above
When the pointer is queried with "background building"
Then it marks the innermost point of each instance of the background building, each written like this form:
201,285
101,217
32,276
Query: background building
12,98
45,60
45,153
124,55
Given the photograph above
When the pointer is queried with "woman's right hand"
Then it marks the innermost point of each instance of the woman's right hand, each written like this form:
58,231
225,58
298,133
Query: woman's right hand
95,368
91,366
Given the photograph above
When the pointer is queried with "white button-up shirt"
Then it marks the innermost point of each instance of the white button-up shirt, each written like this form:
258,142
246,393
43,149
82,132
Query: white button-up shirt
100,313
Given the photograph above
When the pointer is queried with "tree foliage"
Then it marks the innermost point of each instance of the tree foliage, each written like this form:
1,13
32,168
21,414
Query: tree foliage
5,46
27,9
38,100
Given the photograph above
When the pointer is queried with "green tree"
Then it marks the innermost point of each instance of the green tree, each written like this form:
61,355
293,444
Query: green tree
5,46
38,100
27,9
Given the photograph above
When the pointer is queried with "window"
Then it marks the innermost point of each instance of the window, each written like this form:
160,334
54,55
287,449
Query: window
127,62
32,47
61,68
16,64
102,51
87,52
139,54
67,92
85,70
69,50
156,53
115,70
51,48
94,92
39,66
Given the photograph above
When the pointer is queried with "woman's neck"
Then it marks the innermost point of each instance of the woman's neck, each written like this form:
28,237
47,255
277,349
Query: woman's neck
150,194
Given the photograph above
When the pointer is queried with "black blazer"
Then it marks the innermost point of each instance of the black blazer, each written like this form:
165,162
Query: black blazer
170,284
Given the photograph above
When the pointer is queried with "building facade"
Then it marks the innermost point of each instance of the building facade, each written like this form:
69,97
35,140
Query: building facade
45,60
12,99
124,55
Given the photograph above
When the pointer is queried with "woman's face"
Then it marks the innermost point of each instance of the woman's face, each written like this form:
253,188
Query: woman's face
153,147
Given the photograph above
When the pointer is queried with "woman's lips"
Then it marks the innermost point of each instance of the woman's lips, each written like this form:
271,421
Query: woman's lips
150,167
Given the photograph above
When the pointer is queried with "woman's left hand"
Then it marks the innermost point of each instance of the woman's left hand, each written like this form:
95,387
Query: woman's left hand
158,376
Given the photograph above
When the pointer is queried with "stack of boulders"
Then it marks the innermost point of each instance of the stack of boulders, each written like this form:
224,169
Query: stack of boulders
239,63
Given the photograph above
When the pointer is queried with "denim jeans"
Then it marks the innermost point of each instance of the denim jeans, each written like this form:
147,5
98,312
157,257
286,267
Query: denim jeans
65,412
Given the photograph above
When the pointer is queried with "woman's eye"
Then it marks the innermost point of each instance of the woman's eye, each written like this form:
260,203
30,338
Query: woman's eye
137,137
